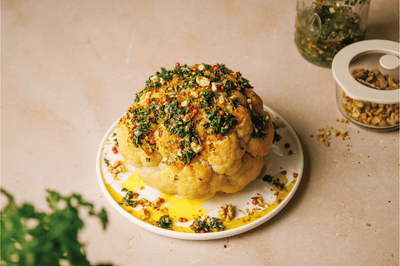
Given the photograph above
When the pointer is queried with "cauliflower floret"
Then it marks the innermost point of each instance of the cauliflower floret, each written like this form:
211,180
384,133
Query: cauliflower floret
255,101
260,146
135,155
249,171
225,154
185,136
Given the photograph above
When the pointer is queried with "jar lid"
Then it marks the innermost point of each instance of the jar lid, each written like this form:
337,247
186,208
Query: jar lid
353,88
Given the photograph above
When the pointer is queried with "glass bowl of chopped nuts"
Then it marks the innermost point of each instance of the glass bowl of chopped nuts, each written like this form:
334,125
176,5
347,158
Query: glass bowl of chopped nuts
367,84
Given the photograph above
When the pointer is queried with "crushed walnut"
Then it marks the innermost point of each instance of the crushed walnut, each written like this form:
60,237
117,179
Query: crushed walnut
226,212
116,168
328,131
368,113
145,214
260,201
157,203
374,79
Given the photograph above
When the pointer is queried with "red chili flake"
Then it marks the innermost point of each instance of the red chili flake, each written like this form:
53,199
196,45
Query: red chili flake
115,150
148,100
177,64
195,111
182,220
215,68
196,69
156,91
168,99
160,102
221,112
185,80
222,88
152,141
131,133
202,138
183,93
202,231
295,175
255,202
284,172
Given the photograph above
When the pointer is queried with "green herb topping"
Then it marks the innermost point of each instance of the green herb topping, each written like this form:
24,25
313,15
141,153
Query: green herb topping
207,225
164,222
185,105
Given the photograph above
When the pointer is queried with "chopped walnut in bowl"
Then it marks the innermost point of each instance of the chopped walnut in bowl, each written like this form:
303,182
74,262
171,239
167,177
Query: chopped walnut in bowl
370,114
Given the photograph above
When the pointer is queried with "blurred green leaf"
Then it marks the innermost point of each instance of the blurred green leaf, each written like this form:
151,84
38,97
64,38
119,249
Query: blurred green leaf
30,237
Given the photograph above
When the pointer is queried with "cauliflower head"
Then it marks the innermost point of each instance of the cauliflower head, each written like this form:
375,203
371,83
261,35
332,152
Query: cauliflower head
196,130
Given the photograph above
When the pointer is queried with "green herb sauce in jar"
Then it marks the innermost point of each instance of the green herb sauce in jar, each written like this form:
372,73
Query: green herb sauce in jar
327,27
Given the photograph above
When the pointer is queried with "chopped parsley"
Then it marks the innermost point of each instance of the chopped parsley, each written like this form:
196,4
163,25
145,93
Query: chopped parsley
267,178
164,222
260,126
175,100
207,225
129,197
220,124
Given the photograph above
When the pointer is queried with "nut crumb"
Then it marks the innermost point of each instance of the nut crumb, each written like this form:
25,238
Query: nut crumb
116,168
325,136
145,214
226,212
369,113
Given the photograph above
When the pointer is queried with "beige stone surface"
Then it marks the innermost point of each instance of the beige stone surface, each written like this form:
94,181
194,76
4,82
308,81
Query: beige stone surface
71,68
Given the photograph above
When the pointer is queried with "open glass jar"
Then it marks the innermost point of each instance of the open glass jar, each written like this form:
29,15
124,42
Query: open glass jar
323,27
367,83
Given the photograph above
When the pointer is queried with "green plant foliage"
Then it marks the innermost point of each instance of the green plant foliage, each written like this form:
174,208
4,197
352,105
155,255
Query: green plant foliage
30,237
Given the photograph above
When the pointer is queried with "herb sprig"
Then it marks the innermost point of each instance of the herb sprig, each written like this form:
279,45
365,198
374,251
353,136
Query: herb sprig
30,237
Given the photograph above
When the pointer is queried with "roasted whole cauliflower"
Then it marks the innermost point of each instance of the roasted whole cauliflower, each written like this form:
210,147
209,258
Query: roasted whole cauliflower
196,130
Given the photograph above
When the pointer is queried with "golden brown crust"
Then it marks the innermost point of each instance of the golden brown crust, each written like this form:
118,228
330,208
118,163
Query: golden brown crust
196,134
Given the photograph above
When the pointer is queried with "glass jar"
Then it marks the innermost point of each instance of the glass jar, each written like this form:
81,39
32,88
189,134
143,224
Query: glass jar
323,27
367,84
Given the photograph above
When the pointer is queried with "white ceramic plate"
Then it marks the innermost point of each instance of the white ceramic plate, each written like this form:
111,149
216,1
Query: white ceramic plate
280,158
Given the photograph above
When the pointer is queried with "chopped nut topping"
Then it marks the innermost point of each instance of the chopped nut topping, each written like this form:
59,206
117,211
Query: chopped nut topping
226,212
143,201
116,168
145,214
157,203
215,85
196,147
202,81
260,201
184,103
